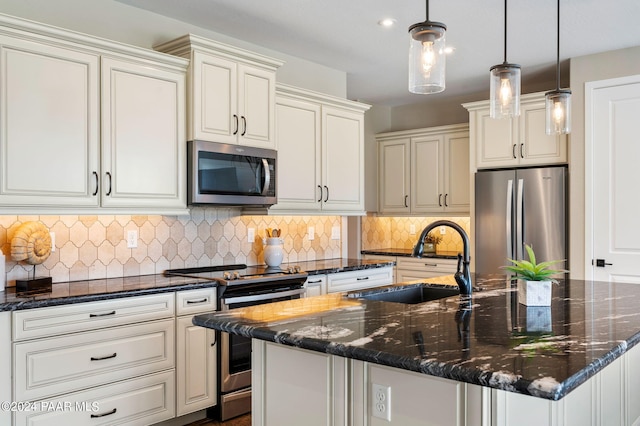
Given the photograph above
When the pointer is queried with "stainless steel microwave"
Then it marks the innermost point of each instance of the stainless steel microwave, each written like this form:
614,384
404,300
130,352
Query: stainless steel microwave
230,175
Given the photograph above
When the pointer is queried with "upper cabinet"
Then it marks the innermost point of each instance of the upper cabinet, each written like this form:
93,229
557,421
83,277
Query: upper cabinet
520,141
424,171
320,143
89,124
231,92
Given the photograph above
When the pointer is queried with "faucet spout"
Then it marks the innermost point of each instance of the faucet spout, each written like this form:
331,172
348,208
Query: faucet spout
463,275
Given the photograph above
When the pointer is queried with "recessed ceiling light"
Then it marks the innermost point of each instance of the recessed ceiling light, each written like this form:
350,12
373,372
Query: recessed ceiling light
387,22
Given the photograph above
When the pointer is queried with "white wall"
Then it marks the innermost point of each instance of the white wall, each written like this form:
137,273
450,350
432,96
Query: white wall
116,21
601,66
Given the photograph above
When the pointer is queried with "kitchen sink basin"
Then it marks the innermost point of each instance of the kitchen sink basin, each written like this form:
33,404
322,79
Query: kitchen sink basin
410,294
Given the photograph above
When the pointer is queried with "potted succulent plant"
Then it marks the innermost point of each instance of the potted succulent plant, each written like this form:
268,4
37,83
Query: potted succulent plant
535,279
431,242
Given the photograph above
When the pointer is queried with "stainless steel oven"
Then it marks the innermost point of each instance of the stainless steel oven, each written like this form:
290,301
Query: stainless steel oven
240,286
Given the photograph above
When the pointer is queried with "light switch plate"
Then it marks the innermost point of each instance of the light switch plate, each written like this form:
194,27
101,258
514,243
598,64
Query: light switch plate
132,239
251,235
335,232
312,233
53,241
443,230
412,229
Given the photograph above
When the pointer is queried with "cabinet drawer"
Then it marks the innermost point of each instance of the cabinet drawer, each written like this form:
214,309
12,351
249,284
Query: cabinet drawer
144,400
191,302
46,322
47,367
430,264
354,280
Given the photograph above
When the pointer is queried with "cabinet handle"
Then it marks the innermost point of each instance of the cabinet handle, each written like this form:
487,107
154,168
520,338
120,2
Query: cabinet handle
405,201
244,126
97,183
109,176
431,264
102,315
445,200
314,282
235,117
362,278
521,150
320,188
204,299
100,358
327,197
513,151
440,200
108,413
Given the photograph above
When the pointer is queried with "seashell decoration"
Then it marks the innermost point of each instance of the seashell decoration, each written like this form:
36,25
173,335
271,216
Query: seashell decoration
31,242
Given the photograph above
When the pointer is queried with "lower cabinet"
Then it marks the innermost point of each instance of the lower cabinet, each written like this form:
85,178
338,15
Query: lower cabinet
315,285
409,269
295,386
356,280
196,373
136,360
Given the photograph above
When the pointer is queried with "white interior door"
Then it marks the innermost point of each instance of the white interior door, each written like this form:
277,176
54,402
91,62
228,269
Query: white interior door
611,179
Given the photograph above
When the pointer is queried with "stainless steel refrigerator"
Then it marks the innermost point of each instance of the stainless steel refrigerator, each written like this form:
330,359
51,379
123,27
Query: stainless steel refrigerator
514,207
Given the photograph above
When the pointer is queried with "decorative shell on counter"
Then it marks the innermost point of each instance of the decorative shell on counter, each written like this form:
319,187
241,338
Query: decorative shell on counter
31,242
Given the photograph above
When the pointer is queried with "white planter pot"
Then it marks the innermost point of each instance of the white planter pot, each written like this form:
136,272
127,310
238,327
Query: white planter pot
534,293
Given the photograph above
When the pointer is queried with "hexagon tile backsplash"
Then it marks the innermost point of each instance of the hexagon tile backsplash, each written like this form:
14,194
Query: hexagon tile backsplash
94,247
395,232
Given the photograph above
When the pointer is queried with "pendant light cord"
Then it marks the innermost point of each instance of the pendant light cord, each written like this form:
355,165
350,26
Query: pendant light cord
427,20
558,52
505,31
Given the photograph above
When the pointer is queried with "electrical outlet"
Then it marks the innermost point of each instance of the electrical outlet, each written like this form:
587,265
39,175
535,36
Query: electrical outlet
381,402
132,238
251,235
335,232
412,229
53,241
312,233
443,230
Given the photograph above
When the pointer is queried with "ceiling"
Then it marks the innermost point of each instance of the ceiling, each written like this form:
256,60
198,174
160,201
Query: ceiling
345,35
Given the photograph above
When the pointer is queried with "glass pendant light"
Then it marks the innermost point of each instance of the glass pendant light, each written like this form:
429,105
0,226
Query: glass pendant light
505,84
427,57
558,102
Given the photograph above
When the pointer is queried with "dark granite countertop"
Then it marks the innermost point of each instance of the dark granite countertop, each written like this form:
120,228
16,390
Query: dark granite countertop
489,340
406,252
114,288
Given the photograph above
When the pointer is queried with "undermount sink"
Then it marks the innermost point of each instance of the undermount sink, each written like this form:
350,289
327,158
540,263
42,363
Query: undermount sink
410,294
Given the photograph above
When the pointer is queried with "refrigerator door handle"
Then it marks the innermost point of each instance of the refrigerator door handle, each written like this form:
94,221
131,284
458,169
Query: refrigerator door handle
520,220
508,221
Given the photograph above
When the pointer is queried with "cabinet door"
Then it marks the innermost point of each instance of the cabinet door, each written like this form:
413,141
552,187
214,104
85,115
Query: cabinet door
536,147
315,285
496,146
342,160
49,138
456,172
298,136
195,367
256,99
427,185
214,83
143,141
394,175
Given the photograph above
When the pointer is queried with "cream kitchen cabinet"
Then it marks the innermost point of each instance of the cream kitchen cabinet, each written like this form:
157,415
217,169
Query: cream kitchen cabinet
119,353
196,367
320,153
424,171
315,285
520,141
360,279
232,92
409,268
89,124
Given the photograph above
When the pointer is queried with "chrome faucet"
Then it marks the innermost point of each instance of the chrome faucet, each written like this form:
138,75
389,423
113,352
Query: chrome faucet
462,275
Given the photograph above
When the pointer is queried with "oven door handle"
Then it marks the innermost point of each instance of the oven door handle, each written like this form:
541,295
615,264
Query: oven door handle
259,297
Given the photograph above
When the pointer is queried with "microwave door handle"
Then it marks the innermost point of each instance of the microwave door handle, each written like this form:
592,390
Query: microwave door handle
267,176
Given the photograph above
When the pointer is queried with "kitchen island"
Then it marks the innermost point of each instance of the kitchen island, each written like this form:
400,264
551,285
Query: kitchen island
487,360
